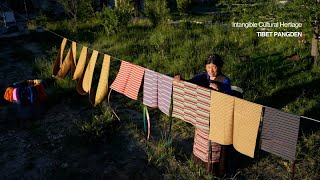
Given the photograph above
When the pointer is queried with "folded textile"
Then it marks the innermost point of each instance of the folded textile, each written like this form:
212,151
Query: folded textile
8,95
23,95
14,95
280,133
41,92
31,94
128,80
247,117
221,118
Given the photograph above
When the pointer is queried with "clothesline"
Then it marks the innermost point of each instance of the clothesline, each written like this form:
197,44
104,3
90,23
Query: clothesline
113,58
311,119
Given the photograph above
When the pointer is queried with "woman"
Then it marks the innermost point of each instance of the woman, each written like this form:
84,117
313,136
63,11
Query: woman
214,79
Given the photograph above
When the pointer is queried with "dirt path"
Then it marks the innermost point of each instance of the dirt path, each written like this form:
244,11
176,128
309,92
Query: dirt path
43,149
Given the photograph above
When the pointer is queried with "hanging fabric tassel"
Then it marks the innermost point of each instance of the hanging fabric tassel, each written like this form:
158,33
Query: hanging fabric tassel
109,105
148,120
144,118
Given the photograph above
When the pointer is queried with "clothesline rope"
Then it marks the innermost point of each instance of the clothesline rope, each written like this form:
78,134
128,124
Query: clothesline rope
113,58
311,119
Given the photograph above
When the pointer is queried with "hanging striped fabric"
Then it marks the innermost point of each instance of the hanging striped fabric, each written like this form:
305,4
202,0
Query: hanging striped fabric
201,148
119,84
247,116
203,109
164,93
150,88
134,82
128,80
280,133
157,90
191,103
178,100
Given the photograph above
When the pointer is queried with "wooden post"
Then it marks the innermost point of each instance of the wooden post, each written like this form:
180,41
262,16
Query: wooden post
293,169
314,43
209,167
260,139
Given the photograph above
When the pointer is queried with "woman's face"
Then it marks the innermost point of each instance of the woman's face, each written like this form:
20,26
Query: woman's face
212,70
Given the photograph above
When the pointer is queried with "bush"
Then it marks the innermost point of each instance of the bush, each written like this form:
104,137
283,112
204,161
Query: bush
113,19
157,10
183,5
78,9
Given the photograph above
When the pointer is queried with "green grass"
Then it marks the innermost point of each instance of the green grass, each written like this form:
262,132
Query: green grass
258,65
101,127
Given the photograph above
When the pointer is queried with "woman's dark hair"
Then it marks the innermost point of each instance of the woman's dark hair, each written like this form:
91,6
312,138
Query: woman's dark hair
215,59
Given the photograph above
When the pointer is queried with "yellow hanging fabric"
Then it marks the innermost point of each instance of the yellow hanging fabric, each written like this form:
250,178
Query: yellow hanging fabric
79,72
247,117
97,96
68,63
88,75
221,118
58,61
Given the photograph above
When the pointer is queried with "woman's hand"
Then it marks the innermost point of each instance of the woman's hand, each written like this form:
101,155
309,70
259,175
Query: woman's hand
177,78
214,86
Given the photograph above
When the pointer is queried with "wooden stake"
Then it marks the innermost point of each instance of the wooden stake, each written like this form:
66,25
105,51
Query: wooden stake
293,169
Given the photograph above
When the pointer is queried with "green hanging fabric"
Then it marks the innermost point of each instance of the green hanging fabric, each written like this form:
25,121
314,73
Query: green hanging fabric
170,119
144,119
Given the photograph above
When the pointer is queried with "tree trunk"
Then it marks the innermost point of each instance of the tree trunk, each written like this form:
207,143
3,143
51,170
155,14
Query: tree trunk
314,45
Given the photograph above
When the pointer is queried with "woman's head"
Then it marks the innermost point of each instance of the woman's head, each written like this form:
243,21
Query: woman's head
214,65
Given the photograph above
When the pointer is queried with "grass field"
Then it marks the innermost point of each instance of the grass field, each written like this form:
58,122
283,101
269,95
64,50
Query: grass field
258,65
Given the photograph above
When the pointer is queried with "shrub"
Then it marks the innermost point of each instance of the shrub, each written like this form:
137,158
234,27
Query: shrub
157,10
183,5
113,19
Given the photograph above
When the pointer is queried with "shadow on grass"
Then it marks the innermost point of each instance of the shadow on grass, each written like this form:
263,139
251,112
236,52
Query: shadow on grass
284,96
